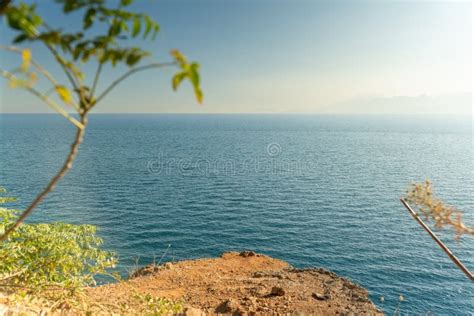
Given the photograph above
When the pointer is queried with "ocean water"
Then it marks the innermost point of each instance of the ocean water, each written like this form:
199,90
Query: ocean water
313,190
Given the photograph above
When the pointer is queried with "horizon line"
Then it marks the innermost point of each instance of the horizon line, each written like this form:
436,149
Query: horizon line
245,113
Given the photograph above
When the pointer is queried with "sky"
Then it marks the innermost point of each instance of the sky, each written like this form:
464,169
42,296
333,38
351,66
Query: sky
289,56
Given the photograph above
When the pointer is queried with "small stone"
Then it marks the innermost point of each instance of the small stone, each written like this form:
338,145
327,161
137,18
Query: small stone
246,254
267,274
228,306
252,301
147,270
360,298
258,274
277,291
320,297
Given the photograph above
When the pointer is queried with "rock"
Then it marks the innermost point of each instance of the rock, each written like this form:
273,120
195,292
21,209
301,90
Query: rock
144,271
251,301
191,311
320,297
228,306
277,291
246,254
359,298
267,274
350,285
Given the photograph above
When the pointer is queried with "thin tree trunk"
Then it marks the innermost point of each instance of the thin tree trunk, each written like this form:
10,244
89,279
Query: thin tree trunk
67,165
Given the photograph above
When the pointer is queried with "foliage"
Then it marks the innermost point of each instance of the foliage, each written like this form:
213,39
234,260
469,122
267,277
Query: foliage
149,305
100,39
421,195
104,31
133,303
36,257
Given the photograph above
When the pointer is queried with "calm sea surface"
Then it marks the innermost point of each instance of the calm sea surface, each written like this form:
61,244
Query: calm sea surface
313,190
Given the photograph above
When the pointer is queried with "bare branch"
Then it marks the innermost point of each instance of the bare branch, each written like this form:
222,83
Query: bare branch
75,82
131,72
45,99
63,66
70,75
39,68
438,241
33,62
60,60
96,79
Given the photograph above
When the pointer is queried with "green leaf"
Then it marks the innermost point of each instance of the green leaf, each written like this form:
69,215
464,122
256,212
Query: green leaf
177,79
23,18
133,59
198,93
156,28
115,28
123,26
180,59
194,74
126,2
20,38
136,27
89,18
148,25
51,255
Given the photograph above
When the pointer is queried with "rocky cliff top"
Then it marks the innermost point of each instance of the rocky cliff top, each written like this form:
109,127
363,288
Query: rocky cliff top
244,283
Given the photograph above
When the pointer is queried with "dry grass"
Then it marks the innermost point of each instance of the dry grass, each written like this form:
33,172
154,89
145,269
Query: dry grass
421,196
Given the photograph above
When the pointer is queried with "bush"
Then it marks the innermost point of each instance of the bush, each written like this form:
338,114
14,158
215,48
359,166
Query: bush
56,255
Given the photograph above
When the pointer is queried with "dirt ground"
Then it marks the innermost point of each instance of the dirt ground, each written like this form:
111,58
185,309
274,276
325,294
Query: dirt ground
241,283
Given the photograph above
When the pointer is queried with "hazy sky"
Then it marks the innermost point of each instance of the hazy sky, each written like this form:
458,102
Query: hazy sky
291,56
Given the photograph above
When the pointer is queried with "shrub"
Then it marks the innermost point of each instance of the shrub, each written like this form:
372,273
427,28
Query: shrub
56,255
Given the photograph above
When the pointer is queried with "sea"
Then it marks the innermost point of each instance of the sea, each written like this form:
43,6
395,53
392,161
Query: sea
314,190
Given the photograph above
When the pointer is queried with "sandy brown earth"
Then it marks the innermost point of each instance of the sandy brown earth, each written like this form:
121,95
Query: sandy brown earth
242,283
236,283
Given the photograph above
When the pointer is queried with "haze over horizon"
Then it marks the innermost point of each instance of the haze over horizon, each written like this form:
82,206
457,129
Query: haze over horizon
287,57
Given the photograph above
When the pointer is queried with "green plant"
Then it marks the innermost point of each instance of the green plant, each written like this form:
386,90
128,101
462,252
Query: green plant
101,41
154,306
38,257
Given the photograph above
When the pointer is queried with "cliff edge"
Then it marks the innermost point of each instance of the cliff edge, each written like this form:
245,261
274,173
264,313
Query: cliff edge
243,283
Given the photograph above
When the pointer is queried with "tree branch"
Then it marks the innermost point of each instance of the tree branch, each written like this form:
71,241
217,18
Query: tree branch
67,165
131,72
76,85
96,79
39,68
438,241
63,66
60,60
46,100
33,62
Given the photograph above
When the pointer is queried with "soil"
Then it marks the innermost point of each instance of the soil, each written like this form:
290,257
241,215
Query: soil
242,283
